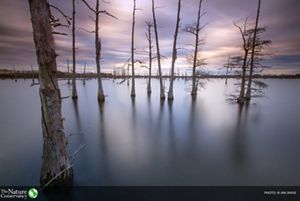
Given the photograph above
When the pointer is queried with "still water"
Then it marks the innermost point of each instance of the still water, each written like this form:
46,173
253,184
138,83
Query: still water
208,141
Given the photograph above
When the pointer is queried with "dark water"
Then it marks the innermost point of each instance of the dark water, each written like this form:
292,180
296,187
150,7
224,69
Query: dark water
209,141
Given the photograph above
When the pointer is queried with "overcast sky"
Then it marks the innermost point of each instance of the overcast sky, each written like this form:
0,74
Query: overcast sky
222,39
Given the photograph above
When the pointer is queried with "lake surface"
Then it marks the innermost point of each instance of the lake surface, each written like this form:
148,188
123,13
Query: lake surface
208,141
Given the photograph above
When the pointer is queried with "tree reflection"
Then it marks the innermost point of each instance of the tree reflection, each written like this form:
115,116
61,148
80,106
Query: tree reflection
104,155
239,135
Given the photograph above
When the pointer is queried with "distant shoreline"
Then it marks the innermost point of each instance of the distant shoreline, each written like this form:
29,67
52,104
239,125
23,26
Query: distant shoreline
9,74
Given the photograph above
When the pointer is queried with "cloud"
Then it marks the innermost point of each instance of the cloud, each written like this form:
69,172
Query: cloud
221,37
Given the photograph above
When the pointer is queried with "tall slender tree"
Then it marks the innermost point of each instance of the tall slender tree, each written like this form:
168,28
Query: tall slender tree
74,89
149,38
247,37
55,164
15,74
243,63
227,66
132,50
162,93
97,12
195,30
174,56
84,73
68,65
248,93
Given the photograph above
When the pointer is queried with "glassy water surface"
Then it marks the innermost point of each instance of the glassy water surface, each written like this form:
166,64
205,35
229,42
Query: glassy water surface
207,141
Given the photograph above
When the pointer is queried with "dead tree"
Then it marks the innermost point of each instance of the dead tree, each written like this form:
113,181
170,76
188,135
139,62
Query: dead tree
32,75
74,89
242,64
97,12
132,51
248,93
174,56
195,30
55,163
84,73
68,71
247,37
162,93
148,36
128,74
15,74
227,66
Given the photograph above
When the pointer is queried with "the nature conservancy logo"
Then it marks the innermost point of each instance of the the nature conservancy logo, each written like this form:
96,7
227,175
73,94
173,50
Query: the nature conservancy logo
33,193
11,193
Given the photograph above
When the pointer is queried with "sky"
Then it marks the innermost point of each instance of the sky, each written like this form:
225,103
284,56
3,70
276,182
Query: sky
221,38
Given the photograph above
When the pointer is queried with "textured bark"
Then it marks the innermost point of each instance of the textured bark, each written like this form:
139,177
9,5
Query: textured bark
162,93
194,82
55,158
149,25
174,56
132,51
248,93
74,89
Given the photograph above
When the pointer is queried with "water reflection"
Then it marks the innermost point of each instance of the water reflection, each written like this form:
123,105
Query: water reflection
192,131
103,147
172,135
143,141
77,115
149,112
239,136
102,128
160,118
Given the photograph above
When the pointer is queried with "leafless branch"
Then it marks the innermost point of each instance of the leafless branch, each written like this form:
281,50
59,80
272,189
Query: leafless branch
59,33
92,18
65,97
81,146
108,14
83,29
89,7
68,19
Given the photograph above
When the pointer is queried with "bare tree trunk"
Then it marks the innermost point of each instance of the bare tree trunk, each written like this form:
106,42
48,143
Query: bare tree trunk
128,75
246,47
55,158
194,82
150,56
97,12
68,71
248,93
15,74
227,67
84,69
162,93
241,98
101,97
32,75
174,56
74,90
132,51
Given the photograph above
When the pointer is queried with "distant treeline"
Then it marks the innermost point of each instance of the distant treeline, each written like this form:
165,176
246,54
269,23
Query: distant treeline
10,74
